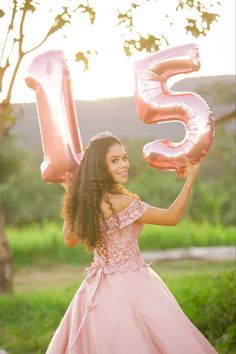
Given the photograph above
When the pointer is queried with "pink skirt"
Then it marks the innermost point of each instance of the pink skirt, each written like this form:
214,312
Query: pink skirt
126,313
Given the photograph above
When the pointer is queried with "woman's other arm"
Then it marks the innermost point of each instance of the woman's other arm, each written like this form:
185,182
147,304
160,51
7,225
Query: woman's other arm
172,215
64,185
70,239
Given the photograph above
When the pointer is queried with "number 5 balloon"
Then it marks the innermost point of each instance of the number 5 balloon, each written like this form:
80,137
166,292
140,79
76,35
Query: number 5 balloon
49,77
155,103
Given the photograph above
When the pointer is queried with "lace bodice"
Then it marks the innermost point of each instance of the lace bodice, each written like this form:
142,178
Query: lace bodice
121,233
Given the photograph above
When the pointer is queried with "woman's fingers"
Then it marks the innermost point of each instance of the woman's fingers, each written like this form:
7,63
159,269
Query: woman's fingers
181,172
186,160
188,169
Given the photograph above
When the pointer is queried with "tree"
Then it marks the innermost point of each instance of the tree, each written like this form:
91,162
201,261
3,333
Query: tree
198,17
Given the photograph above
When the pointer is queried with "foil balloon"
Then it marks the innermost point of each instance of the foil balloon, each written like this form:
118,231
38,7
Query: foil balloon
156,103
49,77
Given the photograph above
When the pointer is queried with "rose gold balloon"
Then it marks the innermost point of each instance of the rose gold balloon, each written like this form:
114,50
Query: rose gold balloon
156,103
49,77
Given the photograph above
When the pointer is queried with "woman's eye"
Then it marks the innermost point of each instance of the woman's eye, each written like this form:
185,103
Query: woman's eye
125,158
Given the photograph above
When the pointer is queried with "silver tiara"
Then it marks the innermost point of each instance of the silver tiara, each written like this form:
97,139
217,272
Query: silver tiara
101,135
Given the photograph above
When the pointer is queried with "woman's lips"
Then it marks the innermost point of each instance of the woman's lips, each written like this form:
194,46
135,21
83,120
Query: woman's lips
123,174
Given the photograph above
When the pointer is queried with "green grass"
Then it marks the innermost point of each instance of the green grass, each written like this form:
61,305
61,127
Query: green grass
42,244
205,291
187,234
27,321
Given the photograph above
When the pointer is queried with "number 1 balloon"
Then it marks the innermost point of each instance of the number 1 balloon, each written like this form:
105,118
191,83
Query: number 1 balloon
49,77
156,103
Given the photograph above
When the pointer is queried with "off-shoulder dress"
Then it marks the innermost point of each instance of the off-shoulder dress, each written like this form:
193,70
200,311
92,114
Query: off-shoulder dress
123,306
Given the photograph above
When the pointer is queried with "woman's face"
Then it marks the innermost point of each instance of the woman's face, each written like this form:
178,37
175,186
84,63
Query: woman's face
117,163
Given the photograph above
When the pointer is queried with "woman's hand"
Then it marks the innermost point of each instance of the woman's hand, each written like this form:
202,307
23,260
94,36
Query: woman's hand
64,185
68,178
189,170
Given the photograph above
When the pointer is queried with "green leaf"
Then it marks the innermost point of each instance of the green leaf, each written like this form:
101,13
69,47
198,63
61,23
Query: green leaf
90,11
2,13
80,56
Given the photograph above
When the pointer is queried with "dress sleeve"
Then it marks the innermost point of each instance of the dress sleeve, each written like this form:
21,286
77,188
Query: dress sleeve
132,212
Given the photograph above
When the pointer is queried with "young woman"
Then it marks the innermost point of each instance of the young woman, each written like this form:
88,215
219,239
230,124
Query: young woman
122,306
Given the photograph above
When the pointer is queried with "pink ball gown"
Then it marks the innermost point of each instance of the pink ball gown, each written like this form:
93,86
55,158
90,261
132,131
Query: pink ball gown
123,306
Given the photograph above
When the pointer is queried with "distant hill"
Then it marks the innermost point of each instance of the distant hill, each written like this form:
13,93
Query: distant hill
119,116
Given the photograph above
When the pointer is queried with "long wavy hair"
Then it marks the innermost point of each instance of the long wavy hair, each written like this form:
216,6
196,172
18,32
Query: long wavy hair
81,206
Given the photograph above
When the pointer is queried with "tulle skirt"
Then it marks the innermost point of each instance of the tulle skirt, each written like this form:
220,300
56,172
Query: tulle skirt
126,313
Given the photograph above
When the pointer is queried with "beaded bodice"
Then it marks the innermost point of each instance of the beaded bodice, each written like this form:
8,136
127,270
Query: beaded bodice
121,233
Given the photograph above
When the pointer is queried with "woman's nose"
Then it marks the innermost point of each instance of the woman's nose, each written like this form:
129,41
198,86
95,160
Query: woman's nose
125,163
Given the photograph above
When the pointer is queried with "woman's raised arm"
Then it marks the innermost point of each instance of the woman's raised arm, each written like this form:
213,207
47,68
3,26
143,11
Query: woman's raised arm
172,215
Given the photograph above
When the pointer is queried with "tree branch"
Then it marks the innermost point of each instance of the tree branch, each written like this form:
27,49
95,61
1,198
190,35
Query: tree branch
38,45
10,27
20,52
21,32
58,24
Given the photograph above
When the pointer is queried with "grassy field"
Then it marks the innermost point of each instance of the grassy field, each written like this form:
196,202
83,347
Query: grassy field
42,244
205,291
47,274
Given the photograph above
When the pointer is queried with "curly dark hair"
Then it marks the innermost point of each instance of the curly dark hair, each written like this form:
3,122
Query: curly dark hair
81,207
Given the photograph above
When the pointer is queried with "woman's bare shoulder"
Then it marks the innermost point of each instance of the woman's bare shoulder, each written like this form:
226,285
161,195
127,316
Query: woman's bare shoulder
118,202
121,201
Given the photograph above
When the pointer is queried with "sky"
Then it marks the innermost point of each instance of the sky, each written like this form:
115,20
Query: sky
111,73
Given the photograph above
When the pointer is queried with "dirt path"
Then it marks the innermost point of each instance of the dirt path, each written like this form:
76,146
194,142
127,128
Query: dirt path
197,253
28,279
